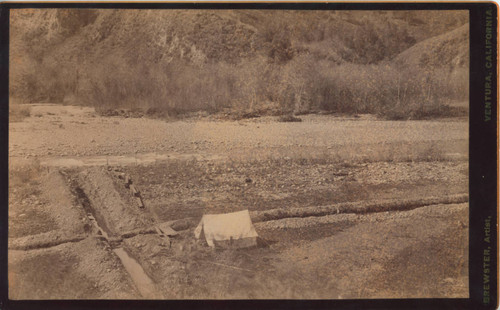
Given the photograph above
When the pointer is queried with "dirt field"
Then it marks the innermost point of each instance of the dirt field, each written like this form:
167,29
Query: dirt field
75,230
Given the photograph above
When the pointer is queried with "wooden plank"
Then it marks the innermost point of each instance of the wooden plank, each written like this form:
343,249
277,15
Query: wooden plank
167,230
159,232
134,190
139,202
128,181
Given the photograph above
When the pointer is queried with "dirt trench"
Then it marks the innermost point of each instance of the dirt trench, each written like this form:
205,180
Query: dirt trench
96,191
97,202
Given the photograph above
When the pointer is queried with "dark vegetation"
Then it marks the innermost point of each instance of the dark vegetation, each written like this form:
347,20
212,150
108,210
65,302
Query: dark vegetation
289,118
398,65
17,112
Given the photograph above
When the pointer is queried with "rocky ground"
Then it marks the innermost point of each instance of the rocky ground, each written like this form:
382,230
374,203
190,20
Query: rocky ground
70,215
57,131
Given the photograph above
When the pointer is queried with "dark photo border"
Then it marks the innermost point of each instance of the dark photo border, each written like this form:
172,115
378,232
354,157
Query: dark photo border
483,164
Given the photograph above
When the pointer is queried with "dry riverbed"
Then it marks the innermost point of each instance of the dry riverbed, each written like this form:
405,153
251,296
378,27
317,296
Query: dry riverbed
75,231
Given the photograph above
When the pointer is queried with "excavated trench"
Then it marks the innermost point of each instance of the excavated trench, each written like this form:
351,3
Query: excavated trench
90,212
142,281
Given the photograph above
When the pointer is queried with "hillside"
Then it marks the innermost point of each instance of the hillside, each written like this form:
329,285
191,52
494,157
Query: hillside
176,61
450,50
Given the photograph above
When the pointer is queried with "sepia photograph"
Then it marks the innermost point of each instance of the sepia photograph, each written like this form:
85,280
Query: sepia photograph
174,154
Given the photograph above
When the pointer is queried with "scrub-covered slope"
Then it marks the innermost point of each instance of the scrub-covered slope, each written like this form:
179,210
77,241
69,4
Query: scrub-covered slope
176,61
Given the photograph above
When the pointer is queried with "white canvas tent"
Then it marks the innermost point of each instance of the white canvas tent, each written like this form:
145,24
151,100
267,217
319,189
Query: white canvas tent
229,229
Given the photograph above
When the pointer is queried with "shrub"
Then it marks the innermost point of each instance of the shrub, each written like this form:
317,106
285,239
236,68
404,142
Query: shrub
289,118
282,63
18,111
257,87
